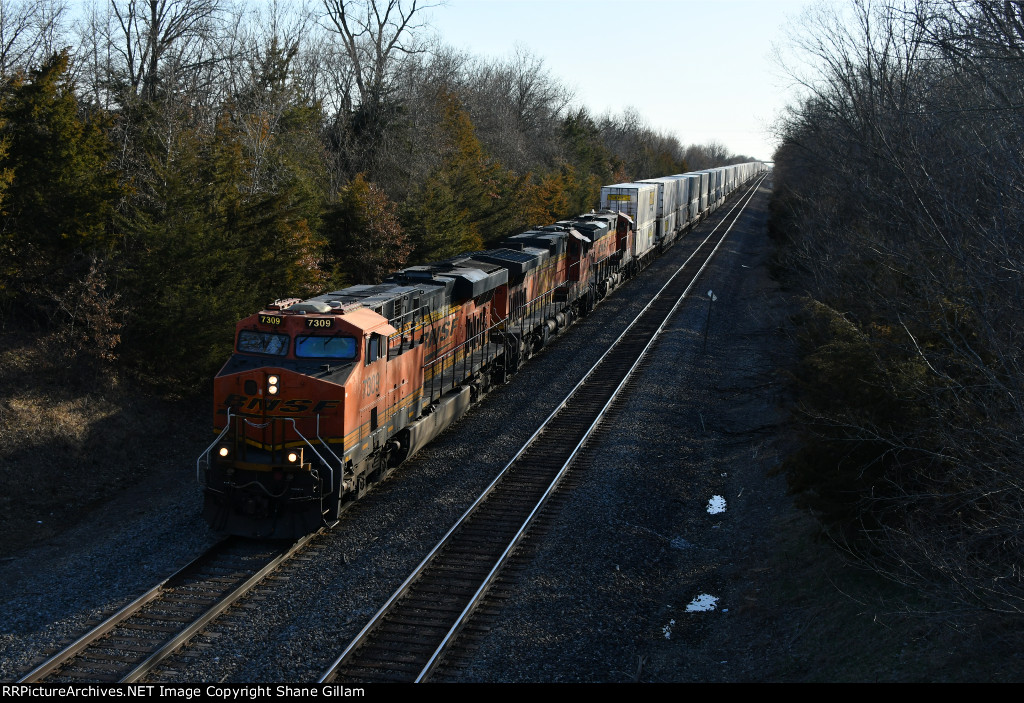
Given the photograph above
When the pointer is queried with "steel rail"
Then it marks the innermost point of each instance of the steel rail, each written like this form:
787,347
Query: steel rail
219,607
82,644
590,430
361,637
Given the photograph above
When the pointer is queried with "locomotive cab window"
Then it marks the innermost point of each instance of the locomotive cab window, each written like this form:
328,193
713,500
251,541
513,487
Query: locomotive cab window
375,347
312,347
254,342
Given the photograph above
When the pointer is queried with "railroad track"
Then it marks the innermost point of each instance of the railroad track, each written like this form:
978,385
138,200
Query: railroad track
131,642
413,630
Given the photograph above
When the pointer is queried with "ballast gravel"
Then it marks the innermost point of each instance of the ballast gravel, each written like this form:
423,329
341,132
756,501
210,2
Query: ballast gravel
602,597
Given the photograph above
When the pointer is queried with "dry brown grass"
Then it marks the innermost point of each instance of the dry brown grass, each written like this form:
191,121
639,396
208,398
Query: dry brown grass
69,440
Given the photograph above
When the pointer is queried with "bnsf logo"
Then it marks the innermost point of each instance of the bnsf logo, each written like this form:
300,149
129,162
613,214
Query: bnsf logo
439,333
295,406
474,329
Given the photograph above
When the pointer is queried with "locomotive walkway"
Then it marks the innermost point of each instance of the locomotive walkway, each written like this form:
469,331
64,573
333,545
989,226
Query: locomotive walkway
411,633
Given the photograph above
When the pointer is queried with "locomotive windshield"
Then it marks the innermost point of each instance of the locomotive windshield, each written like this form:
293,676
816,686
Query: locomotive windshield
325,347
255,342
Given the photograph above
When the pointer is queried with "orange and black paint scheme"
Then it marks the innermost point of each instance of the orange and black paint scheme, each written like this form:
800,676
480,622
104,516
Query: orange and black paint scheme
322,397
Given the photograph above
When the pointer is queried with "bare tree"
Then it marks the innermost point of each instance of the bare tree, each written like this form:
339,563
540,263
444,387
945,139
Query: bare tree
375,34
29,31
702,156
517,106
155,42
376,37
897,196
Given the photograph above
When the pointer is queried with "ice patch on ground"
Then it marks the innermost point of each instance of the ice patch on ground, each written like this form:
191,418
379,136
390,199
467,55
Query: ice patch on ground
702,603
716,505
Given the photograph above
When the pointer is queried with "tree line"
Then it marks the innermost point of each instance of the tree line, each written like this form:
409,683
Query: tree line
170,166
898,208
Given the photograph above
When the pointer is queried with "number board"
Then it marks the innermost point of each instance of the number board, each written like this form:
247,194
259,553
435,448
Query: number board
272,320
319,323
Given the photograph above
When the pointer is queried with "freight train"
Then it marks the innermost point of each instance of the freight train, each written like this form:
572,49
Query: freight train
325,396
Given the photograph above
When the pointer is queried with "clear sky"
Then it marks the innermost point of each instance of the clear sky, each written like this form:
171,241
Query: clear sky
698,69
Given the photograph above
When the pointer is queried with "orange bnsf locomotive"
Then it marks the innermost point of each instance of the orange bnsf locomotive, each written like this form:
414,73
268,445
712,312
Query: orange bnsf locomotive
323,397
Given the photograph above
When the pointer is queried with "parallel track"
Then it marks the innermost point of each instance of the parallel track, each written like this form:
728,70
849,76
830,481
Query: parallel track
408,636
130,643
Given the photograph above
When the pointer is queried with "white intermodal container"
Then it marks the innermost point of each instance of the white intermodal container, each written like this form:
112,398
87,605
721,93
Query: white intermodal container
667,192
640,202
714,186
702,190
682,199
668,206
694,186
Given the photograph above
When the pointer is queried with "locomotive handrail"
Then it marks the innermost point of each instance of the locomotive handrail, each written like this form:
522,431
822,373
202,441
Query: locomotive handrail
341,464
206,453
313,449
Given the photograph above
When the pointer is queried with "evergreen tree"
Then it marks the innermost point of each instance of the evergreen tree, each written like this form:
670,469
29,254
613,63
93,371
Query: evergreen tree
591,162
211,252
549,199
365,236
61,189
469,201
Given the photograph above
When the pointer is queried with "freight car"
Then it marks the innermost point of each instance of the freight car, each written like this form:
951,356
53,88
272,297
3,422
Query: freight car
325,396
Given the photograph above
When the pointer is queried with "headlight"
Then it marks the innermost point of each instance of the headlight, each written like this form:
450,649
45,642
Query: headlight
272,382
292,457
224,451
272,390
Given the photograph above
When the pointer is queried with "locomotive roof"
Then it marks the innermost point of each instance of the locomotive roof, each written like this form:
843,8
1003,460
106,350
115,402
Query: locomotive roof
631,186
368,295
517,261
468,277
551,239
609,215
595,229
